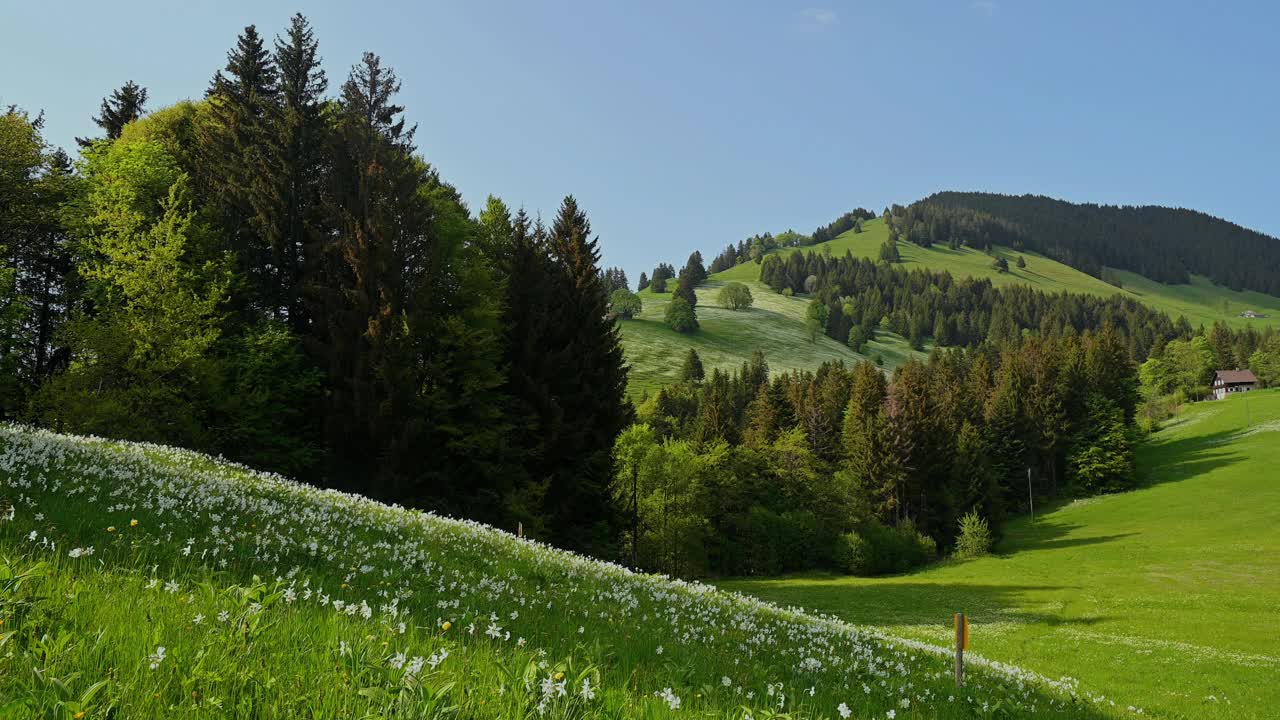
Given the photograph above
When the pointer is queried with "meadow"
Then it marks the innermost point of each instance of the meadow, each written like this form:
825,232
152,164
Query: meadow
140,582
1201,302
775,324
727,338
1167,595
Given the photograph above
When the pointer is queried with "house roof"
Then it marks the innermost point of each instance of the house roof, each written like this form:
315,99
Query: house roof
1232,377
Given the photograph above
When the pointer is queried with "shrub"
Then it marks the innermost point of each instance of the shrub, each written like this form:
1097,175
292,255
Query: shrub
681,316
880,550
975,536
736,296
853,554
625,303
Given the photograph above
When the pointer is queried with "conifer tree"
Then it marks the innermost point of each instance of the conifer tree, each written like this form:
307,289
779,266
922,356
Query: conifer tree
290,212
122,107
589,390
239,170
692,371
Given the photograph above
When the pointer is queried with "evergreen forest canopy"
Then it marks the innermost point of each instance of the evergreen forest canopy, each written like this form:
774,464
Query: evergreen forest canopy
275,274
1165,244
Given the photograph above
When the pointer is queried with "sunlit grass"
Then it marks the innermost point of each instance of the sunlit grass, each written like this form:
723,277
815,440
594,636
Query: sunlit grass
1166,597
774,325
145,582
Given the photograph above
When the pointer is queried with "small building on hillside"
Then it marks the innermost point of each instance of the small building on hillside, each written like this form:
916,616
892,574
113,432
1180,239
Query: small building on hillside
1252,315
1233,381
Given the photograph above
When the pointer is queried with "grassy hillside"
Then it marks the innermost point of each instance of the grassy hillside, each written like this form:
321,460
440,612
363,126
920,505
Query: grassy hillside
1201,302
145,582
1167,594
775,325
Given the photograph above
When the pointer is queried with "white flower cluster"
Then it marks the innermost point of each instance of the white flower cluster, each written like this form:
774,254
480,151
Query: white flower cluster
374,563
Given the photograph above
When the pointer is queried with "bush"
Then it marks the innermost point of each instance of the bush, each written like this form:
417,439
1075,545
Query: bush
625,303
853,554
975,537
681,316
877,549
736,296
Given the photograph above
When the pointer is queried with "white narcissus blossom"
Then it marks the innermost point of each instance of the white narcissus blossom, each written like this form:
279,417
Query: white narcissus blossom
312,541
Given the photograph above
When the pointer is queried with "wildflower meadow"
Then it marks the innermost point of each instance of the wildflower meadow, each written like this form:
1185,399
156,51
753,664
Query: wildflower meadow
141,581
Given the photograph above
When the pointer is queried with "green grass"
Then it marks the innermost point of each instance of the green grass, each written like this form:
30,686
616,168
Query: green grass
776,324
144,582
1201,301
726,338
1167,598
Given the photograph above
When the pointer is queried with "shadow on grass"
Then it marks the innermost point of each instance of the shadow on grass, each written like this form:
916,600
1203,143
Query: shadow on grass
1173,460
892,601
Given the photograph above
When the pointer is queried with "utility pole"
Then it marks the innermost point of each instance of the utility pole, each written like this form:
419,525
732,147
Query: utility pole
1031,499
635,514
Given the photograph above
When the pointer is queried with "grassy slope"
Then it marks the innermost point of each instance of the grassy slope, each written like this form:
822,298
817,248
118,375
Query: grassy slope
368,611
726,338
1168,594
776,324
1200,302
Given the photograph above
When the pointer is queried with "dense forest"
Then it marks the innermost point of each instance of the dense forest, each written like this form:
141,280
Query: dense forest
276,275
1165,244
744,473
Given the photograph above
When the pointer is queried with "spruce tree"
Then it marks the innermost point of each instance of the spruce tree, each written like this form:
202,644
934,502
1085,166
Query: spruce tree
122,107
376,210
692,371
238,171
589,390
290,214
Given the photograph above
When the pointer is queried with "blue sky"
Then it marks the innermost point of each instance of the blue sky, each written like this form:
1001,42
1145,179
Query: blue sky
682,125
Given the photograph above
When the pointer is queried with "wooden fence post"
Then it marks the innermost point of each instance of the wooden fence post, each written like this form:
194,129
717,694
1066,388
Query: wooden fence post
962,642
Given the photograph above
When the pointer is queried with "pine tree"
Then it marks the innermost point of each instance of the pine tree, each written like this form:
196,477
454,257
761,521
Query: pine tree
692,370
378,216
716,417
644,282
290,213
589,391
121,108
528,322
238,171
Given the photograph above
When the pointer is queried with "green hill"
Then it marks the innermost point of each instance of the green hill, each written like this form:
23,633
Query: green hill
143,582
776,324
1201,302
1165,597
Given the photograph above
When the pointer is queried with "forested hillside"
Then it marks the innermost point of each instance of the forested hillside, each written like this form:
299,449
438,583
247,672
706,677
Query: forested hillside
1031,391
1165,244
275,274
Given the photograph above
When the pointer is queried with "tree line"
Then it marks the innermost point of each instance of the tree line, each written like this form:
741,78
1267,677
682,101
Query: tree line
276,275
745,472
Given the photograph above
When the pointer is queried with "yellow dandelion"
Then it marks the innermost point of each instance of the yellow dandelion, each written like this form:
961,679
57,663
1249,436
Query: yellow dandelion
78,715
111,528
133,523
445,627
559,676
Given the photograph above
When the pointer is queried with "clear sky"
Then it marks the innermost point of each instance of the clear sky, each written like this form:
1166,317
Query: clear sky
682,125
